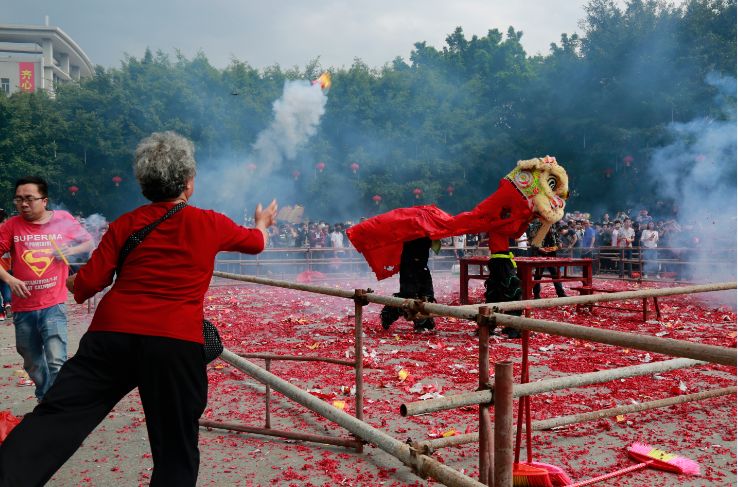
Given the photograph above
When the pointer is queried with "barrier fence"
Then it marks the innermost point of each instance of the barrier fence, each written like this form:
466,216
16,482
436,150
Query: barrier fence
495,444
677,263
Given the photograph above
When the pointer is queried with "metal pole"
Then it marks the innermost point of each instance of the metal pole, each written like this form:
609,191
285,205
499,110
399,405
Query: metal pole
632,408
597,298
422,464
503,446
293,435
359,303
268,397
298,358
485,423
549,385
430,446
469,312
666,346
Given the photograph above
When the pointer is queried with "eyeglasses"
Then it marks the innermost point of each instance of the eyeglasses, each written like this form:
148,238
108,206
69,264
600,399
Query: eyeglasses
28,199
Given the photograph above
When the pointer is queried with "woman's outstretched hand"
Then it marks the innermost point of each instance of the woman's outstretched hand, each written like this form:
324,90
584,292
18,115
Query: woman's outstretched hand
265,218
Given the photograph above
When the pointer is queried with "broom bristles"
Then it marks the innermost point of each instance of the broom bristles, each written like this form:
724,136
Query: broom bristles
525,475
663,460
557,475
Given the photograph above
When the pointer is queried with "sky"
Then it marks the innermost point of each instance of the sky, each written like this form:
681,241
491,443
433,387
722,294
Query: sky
290,32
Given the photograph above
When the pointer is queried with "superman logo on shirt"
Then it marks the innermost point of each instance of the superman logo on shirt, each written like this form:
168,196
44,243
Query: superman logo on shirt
38,260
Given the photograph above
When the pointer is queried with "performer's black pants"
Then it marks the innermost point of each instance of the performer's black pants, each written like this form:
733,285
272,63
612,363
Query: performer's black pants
503,284
172,381
416,281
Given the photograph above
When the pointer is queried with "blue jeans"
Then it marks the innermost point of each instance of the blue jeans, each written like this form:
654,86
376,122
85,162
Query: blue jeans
41,339
5,294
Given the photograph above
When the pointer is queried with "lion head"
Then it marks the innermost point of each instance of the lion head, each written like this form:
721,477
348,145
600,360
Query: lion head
545,184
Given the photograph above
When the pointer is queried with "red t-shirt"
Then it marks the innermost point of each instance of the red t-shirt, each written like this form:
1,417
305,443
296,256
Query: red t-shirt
163,281
32,253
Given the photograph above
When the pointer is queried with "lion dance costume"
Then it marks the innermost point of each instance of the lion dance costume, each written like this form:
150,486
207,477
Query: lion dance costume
536,188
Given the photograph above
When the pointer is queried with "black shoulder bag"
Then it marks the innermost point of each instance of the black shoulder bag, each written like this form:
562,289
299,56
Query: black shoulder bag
213,346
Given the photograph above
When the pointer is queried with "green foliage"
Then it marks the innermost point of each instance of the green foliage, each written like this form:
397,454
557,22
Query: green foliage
460,115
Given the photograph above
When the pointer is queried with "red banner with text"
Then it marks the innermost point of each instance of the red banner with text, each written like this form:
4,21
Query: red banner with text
27,77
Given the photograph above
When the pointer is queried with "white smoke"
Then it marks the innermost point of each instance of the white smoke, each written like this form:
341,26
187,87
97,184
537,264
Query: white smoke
698,172
224,186
96,225
296,118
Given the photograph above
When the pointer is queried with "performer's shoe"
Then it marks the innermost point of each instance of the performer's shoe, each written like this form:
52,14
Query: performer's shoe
389,315
424,324
511,333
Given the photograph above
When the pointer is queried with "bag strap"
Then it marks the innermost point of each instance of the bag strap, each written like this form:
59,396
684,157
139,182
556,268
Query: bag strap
137,237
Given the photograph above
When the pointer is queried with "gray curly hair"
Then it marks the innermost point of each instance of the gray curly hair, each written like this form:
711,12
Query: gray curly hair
163,163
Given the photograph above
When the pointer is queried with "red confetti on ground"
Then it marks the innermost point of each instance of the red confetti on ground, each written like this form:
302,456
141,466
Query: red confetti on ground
254,319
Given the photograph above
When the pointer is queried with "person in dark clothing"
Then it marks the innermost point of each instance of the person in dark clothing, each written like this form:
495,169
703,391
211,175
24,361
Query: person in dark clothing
503,285
548,248
415,283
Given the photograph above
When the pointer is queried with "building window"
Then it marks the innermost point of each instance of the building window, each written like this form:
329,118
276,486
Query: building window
5,85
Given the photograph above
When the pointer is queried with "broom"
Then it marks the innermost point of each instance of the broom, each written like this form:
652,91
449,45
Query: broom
529,473
650,457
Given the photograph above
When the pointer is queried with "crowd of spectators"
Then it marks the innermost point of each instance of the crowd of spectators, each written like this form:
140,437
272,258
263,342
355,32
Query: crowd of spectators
636,235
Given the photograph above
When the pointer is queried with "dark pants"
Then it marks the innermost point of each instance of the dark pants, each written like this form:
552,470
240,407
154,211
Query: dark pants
503,284
415,279
554,273
172,381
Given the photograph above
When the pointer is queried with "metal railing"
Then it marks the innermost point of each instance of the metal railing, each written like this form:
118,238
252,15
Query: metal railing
495,446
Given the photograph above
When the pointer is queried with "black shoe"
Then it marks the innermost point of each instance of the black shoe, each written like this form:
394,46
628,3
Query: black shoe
424,324
389,315
536,296
511,333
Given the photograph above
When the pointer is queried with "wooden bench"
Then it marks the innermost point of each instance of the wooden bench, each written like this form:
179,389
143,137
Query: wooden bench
588,290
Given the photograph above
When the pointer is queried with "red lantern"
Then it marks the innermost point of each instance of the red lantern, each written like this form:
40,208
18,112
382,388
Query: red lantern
417,192
73,190
117,180
450,190
608,172
320,166
628,160
295,174
377,199
354,167
251,167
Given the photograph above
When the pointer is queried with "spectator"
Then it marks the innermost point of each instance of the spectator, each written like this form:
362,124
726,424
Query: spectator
626,235
301,238
40,242
649,241
459,241
549,246
336,237
5,293
643,217
147,331
616,227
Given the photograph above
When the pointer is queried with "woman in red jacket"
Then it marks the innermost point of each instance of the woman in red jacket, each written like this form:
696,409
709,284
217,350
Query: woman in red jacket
147,331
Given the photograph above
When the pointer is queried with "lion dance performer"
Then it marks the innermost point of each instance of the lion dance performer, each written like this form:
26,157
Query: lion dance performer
535,188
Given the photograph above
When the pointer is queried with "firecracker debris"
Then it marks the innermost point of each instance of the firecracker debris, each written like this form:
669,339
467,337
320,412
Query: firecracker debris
403,366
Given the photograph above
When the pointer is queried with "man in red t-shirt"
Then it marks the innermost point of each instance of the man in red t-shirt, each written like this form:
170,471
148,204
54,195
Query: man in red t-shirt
40,242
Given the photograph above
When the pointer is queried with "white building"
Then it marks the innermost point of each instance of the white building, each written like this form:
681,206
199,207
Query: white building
34,57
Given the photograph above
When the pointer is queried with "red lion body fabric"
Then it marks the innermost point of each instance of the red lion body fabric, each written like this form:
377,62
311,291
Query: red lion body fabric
505,214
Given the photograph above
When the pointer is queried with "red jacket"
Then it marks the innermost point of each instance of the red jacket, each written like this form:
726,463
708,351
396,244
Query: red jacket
163,281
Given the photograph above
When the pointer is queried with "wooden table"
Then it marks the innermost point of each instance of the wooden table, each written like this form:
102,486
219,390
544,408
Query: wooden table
526,270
